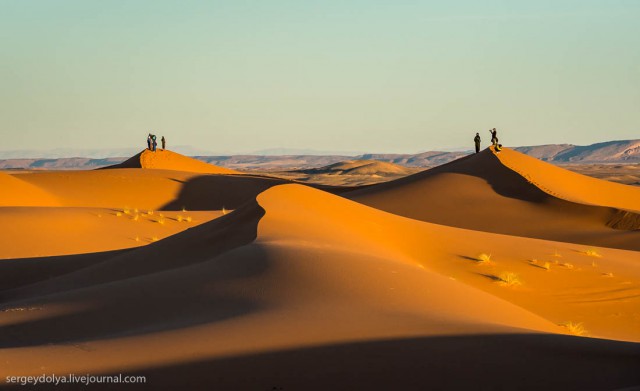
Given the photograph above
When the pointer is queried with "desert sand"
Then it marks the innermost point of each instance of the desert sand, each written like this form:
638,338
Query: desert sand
490,272
348,173
627,174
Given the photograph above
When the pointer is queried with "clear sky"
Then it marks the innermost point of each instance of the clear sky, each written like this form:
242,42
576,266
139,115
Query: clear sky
352,75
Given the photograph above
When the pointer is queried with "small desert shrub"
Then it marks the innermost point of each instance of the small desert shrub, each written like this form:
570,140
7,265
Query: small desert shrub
126,211
574,328
592,253
150,213
179,218
607,274
118,214
188,219
557,254
224,211
161,221
484,258
154,239
137,238
509,279
545,265
184,209
136,217
567,265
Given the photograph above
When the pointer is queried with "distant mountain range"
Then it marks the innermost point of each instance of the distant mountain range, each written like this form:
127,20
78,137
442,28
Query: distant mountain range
625,151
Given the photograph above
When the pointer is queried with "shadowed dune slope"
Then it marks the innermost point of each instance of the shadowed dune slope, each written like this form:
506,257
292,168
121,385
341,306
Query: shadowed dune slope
299,269
167,160
479,192
482,362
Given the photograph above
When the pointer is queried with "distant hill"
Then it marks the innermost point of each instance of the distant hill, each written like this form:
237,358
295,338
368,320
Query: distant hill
361,167
71,163
624,151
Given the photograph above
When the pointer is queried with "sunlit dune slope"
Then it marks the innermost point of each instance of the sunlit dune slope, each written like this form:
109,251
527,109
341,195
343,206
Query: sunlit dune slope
284,235
300,268
39,232
602,285
16,192
50,213
572,186
479,192
168,160
112,209
148,189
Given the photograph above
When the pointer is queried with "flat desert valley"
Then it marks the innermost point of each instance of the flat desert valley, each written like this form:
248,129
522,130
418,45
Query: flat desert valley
493,271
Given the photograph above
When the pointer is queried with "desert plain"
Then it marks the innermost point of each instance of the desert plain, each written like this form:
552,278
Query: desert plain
493,271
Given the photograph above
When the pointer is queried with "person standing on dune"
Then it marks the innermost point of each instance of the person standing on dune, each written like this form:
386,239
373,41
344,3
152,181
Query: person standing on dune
494,136
164,143
477,141
149,141
154,143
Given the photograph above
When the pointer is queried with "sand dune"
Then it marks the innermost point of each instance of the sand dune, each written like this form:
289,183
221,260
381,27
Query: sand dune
37,232
572,186
349,173
147,189
70,212
484,192
167,160
299,268
362,167
111,209
627,174
302,289
16,192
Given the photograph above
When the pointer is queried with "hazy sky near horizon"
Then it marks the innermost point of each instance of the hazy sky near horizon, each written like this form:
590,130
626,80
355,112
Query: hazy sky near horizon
339,75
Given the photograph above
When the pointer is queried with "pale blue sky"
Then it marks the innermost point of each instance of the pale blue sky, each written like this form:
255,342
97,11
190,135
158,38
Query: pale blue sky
376,76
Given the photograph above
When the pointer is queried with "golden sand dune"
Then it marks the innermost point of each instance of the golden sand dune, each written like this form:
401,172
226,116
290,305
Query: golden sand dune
39,232
16,192
147,189
484,192
572,186
167,160
49,213
299,288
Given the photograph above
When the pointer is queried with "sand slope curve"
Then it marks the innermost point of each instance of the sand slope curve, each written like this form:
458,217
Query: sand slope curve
168,160
479,192
296,274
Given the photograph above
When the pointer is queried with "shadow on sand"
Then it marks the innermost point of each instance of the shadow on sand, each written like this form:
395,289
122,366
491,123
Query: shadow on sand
470,362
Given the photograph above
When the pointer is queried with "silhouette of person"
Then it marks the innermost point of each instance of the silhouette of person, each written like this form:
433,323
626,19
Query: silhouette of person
477,141
494,136
164,143
149,141
154,143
